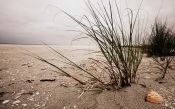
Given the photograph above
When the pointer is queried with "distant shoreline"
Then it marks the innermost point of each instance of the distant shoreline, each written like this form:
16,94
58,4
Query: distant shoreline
25,44
52,45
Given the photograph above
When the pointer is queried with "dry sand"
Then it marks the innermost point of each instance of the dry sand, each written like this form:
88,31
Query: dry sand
21,88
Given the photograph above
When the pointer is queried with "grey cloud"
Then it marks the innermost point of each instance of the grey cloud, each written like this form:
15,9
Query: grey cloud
27,21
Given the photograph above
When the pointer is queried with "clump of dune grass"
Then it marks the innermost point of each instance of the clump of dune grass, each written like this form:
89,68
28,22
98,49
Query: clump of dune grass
161,46
162,40
118,41
164,64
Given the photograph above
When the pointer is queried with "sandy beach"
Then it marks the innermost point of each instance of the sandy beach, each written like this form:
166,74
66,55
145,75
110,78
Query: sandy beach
21,85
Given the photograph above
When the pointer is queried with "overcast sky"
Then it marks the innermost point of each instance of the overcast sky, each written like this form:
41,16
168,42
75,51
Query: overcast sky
32,21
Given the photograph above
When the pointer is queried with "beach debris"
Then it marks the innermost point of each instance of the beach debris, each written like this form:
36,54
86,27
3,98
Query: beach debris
81,94
29,64
25,64
161,82
143,85
22,92
29,92
51,80
29,80
63,84
5,101
154,97
43,69
16,102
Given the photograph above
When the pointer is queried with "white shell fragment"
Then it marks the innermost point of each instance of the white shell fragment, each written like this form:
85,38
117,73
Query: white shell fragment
5,101
17,96
154,97
16,102
147,77
37,93
24,104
